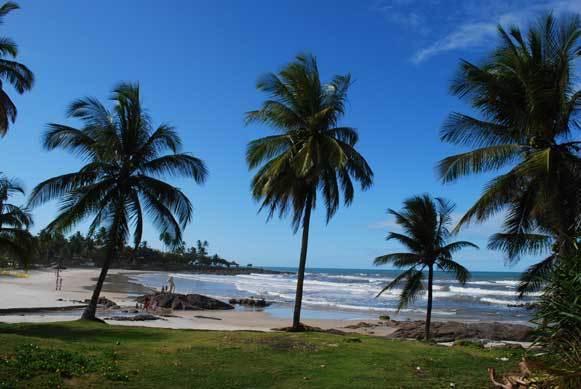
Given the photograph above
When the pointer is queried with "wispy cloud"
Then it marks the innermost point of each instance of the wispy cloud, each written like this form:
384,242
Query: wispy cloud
477,33
465,36
464,24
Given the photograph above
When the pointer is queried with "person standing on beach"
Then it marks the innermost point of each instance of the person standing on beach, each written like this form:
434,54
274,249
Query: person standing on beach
58,276
171,285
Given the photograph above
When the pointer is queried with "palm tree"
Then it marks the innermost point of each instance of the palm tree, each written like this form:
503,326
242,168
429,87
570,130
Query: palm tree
15,239
12,72
529,107
309,153
425,223
119,184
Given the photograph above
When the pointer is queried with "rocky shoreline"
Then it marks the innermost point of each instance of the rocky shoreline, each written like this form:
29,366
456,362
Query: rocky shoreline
451,331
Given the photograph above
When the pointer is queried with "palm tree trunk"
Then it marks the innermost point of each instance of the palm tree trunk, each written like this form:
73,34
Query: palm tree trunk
91,310
112,247
429,310
302,264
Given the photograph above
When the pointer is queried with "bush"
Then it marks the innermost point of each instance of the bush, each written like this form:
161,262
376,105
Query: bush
559,317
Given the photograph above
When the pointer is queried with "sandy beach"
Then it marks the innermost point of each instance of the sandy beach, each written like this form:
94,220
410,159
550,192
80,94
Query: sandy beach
37,290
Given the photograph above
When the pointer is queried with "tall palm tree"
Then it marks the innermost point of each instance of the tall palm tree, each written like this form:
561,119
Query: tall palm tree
119,184
15,240
529,109
12,72
309,153
425,223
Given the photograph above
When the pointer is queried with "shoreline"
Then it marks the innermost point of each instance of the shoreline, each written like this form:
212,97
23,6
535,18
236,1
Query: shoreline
33,299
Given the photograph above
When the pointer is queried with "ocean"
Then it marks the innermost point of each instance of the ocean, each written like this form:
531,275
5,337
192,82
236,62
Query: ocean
350,294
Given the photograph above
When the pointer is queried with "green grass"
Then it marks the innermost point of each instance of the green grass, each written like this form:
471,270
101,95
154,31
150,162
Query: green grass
97,355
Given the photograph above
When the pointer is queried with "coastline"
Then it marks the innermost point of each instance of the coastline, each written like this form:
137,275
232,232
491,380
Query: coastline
34,299
39,302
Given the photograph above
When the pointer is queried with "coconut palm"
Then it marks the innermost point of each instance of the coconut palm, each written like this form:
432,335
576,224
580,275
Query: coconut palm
425,223
529,108
309,154
120,183
15,240
12,72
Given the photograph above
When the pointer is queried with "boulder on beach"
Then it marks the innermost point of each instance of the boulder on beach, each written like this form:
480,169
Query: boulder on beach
187,302
104,302
251,302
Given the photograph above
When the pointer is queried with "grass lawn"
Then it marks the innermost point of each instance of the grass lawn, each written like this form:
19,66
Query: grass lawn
96,355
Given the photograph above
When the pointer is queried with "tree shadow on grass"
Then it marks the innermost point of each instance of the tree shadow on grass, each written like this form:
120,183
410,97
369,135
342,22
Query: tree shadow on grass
91,332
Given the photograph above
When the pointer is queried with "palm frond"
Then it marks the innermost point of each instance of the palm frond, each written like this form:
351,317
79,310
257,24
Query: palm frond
460,272
398,259
536,275
399,278
184,165
478,161
413,287
516,245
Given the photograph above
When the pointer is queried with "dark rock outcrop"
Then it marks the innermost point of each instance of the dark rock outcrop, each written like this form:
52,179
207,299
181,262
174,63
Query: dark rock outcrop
306,328
104,302
188,302
251,302
138,317
451,331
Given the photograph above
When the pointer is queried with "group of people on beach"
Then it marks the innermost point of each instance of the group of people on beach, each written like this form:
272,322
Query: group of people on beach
149,303
170,287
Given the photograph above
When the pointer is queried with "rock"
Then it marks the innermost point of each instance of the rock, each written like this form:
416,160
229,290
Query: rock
306,328
252,302
361,324
105,303
189,302
385,318
138,317
451,331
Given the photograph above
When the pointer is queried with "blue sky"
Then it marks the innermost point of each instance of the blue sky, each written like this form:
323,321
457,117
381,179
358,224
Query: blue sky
197,63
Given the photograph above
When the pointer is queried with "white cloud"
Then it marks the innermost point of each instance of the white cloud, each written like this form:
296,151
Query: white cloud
466,36
474,34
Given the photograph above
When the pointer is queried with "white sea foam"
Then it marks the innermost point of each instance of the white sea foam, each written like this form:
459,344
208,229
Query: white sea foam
507,282
355,291
499,301
485,292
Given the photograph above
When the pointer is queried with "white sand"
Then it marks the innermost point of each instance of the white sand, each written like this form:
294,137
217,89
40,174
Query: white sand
38,291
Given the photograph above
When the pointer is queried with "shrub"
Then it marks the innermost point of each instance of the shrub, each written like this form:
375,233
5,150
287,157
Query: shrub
559,317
